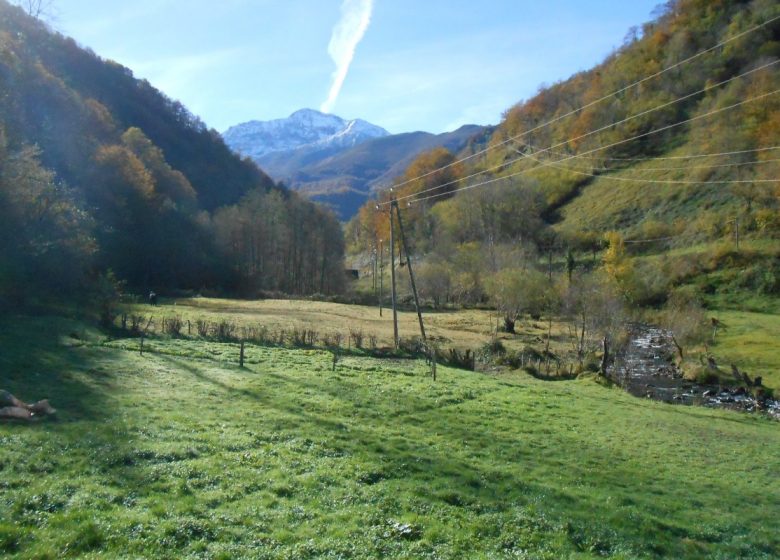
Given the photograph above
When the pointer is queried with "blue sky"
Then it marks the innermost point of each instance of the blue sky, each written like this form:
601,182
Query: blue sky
406,64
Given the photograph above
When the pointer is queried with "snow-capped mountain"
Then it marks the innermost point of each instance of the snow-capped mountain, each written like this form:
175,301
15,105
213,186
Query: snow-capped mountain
306,128
336,161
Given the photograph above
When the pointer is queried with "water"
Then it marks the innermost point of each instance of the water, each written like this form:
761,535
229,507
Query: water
646,368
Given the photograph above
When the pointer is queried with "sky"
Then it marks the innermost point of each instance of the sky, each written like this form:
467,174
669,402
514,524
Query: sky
405,65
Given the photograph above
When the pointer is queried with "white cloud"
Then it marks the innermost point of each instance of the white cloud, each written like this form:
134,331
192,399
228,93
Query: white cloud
355,17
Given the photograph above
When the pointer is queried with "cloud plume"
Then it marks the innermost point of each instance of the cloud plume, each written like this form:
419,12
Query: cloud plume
355,17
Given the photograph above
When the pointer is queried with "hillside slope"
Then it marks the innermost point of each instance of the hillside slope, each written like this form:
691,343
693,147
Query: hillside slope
346,180
689,146
132,180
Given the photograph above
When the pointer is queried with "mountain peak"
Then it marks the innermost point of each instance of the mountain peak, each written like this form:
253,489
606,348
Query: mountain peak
305,112
303,128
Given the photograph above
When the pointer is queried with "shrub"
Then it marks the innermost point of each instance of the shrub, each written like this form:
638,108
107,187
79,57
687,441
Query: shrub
412,345
332,340
357,337
700,374
173,326
135,323
768,221
463,360
224,330
491,351
297,337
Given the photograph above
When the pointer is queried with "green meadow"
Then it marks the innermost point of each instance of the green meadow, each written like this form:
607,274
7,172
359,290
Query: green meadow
179,453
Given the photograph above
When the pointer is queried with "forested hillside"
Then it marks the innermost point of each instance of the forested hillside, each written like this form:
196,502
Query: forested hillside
648,186
100,171
673,136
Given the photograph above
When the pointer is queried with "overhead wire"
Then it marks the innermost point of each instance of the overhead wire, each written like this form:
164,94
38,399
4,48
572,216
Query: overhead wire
590,104
613,144
592,132
663,158
644,180
652,240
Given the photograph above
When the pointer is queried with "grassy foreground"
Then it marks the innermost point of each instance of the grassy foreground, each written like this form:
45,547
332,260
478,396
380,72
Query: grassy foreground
181,454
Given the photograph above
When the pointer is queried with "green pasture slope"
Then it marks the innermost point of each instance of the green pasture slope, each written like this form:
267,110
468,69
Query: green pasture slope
181,454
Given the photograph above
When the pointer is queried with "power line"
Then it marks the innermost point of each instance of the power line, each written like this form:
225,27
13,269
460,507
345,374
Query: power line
585,135
656,181
653,158
652,240
588,105
649,133
690,156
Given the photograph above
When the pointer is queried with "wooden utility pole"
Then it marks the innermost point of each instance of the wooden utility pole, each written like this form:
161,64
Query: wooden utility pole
409,266
736,231
381,276
373,272
392,274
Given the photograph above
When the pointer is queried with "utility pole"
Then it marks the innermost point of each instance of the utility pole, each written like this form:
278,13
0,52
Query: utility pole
736,231
373,269
392,274
381,276
409,265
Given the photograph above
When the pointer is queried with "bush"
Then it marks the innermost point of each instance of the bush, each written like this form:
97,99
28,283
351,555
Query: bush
463,360
297,337
224,331
173,326
411,345
491,351
700,374
357,337
332,340
135,323
768,222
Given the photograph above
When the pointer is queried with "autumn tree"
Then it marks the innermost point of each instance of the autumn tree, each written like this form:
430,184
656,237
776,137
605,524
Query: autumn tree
434,281
515,291
685,318
45,238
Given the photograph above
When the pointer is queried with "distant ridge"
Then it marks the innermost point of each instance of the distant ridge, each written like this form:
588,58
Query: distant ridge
333,160
305,128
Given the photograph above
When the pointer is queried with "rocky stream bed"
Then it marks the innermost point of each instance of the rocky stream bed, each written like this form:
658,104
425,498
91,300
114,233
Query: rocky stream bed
646,368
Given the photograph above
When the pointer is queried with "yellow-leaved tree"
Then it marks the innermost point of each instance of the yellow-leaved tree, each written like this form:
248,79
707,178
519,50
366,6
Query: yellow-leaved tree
617,265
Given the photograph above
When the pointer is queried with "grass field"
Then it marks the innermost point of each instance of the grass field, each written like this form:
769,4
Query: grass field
749,344
751,341
181,454
462,329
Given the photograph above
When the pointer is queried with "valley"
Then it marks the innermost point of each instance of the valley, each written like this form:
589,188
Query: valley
587,284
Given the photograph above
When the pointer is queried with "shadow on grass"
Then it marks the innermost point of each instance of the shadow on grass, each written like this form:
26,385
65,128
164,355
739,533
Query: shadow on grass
408,453
42,357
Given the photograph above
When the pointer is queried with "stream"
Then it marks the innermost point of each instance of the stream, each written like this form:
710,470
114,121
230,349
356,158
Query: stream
646,368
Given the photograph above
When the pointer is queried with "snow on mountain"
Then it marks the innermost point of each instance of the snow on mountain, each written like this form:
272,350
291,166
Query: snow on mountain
304,128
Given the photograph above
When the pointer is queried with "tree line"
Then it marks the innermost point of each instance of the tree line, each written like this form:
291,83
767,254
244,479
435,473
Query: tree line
100,171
